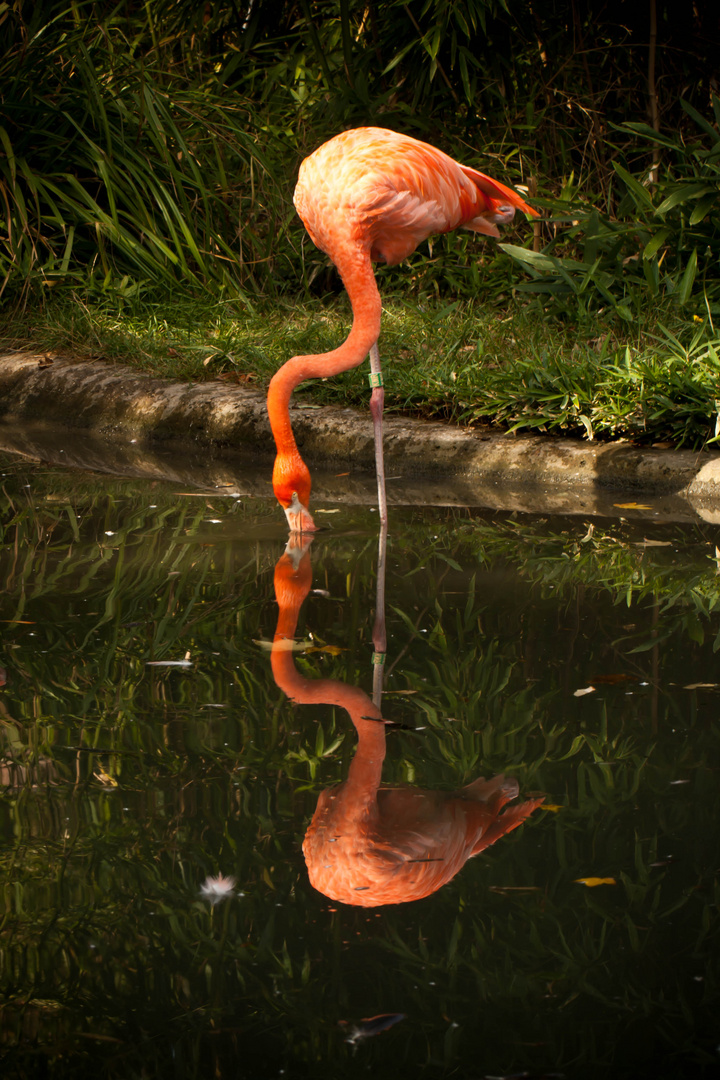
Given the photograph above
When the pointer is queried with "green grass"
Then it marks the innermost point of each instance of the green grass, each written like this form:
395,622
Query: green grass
133,174
651,381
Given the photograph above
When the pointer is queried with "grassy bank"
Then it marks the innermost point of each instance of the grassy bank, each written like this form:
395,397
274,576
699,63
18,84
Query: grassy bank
146,176
654,380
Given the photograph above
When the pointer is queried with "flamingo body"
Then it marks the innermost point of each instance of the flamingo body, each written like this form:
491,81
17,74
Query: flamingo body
377,191
367,195
391,845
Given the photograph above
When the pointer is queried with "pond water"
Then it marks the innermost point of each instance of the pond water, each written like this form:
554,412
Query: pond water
162,765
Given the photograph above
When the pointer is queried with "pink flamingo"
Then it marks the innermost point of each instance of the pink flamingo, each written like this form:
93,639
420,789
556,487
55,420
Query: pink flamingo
371,194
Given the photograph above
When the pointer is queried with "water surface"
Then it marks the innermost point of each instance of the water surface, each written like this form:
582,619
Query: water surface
147,751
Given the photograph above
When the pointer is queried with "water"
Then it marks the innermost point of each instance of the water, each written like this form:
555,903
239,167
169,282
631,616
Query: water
149,754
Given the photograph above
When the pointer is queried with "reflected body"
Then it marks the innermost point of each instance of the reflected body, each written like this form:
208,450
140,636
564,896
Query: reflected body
367,195
370,844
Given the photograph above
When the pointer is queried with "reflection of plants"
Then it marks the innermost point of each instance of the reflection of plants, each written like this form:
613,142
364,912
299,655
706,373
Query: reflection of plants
493,625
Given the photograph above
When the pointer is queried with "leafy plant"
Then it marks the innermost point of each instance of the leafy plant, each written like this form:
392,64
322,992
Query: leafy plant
661,240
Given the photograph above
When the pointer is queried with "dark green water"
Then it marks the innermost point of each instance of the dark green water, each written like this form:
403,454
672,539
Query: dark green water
124,785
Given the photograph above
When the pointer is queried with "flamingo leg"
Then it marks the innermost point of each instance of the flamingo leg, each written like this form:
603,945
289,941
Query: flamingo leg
379,636
377,402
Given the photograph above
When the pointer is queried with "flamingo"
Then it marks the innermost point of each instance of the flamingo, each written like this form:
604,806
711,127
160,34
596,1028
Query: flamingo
371,194
369,844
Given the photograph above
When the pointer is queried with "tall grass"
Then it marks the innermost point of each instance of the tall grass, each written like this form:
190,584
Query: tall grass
118,176
146,149
656,238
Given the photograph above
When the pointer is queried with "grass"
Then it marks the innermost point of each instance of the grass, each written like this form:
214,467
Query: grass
179,187
142,156
600,377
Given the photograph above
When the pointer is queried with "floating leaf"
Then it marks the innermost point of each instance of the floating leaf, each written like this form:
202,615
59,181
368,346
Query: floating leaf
169,663
369,1026
285,645
513,888
105,778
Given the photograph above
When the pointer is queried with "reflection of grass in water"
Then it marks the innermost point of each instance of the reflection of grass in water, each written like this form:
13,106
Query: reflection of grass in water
104,930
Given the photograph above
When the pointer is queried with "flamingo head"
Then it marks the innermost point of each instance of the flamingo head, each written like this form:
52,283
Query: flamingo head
291,484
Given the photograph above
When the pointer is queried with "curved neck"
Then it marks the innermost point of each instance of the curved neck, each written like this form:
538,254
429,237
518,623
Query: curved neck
357,275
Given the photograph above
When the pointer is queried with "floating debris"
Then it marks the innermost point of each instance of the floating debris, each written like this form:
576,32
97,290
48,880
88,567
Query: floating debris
187,662
168,663
217,889
371,1025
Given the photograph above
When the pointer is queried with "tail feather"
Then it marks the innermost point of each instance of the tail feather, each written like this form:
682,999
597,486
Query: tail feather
497,191
501,786
506,822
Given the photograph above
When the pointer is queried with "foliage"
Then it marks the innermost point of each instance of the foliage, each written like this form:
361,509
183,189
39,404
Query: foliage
114,177
660,240
154,146
149,153
657,390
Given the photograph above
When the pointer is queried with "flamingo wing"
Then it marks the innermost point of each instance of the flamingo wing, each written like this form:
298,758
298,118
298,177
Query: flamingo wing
387,192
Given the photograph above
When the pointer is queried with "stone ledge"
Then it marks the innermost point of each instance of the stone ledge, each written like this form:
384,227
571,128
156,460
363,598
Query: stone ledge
112,400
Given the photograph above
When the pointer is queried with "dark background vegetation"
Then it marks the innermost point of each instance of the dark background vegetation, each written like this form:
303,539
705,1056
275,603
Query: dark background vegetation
149,144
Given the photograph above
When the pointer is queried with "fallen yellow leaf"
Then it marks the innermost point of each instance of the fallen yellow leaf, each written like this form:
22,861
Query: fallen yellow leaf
105,778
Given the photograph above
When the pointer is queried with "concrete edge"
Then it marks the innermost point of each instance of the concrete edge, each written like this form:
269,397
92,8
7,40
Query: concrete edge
112,400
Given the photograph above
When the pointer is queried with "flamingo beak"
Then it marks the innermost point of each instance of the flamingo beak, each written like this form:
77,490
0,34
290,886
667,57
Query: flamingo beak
299,517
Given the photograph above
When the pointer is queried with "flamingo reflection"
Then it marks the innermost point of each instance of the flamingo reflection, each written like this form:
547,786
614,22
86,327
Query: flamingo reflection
369,844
